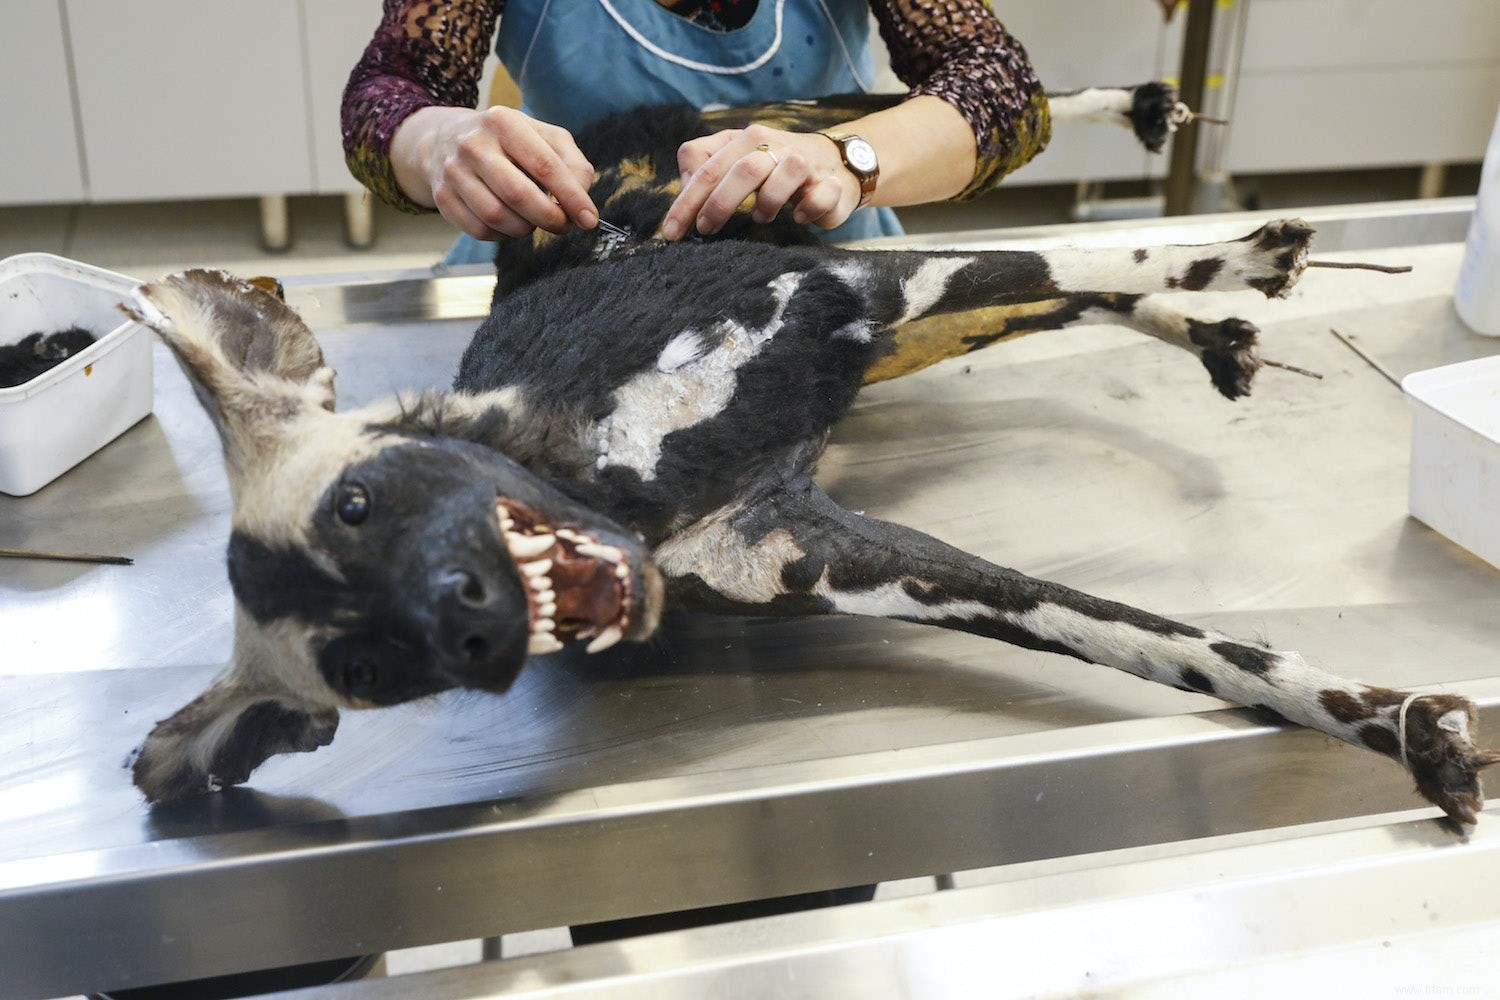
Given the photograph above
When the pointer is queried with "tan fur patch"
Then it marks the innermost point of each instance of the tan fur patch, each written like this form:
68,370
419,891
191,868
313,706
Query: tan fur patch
927,341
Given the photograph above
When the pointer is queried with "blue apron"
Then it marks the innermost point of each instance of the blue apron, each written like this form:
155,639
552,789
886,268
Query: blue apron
577,61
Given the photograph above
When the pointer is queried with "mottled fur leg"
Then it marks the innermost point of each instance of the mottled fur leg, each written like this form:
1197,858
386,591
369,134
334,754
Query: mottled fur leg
796,552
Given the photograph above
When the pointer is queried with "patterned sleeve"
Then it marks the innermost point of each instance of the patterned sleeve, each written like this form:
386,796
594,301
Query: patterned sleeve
424,53
958,50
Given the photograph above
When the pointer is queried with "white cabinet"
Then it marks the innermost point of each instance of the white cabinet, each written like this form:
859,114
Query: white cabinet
337,32
1328,84
190,98
176,99
39,158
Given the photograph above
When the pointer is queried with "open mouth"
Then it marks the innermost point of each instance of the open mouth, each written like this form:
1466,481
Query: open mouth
577,587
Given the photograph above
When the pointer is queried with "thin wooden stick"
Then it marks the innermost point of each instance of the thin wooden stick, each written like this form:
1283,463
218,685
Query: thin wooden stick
66,557
1349,265
1196,117
1290,368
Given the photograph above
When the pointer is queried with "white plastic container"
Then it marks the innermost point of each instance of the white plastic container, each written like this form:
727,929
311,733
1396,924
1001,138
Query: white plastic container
1477,296
56,420
1454,484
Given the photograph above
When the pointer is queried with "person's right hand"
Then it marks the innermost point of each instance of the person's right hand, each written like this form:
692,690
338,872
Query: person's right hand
495,172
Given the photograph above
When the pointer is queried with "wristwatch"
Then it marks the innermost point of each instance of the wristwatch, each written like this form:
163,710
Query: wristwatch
859,157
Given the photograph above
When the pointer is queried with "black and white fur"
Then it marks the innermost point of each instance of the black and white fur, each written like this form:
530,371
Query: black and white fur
636,426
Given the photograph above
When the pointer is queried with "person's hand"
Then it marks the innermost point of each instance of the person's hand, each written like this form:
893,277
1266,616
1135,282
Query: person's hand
495,172
799,169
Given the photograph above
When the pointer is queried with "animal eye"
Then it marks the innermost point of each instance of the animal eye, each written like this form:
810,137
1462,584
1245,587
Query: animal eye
359,675
352,503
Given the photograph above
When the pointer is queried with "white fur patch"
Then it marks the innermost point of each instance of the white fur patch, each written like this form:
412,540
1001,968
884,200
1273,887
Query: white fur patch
854,273
1096,104
859,331
1112,269
717,554
925,288
655,403
685,347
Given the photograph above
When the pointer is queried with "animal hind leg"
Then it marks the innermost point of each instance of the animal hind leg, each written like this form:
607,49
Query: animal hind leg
1227,348
796,552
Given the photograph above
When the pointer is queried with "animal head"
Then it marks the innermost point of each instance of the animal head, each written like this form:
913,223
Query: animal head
375,556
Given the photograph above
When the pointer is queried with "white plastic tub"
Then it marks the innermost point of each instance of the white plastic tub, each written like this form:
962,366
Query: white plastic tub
64,415
1454,484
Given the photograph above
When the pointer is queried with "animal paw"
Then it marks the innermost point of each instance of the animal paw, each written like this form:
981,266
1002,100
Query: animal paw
196,752
1154,114
1275,256
1228,349
1441,755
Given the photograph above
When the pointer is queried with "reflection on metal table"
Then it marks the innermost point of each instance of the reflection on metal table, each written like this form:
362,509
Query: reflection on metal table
735,759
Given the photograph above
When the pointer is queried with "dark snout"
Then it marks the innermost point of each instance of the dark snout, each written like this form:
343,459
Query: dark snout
481,622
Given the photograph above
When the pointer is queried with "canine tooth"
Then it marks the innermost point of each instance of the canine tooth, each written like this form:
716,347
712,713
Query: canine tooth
528,546
540,567
596,551
570,535
543,642
606,639
547,610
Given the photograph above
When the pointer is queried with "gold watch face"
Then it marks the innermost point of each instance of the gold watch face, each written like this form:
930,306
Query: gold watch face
861,155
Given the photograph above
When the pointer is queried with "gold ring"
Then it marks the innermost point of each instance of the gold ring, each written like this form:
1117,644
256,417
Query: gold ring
763,148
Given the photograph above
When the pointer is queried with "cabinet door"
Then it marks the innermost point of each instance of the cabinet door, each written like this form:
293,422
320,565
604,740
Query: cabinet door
1326,84
191,98
337,33
41,161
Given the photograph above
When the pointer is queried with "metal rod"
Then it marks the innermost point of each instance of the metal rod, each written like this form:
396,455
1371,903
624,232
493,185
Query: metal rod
1382,369
66,557
1182,175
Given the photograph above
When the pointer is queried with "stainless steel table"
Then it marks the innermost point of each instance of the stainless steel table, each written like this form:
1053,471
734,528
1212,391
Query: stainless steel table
738,759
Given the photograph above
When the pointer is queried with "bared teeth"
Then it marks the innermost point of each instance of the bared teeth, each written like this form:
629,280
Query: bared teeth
606,639
543,642
596,551
540,567
528,546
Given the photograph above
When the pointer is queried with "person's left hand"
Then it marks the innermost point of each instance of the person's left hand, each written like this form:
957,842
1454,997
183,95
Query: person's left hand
800,169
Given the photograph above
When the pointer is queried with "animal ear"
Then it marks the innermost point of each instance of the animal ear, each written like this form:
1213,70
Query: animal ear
222,735
250,357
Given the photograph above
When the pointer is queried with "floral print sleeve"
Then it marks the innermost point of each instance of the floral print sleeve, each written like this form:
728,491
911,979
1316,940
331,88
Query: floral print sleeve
958,50
432,52
425,53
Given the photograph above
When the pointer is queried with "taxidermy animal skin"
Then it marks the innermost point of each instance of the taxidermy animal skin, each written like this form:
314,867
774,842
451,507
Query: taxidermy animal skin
635,426
39,352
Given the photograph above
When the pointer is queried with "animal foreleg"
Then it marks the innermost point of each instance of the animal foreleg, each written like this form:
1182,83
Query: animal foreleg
795,552
1151,110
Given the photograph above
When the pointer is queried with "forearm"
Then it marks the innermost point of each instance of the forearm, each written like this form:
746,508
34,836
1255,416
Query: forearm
958,51
926,150
424,53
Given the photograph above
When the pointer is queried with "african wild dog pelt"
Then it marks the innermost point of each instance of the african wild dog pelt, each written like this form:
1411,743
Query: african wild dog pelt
635,427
